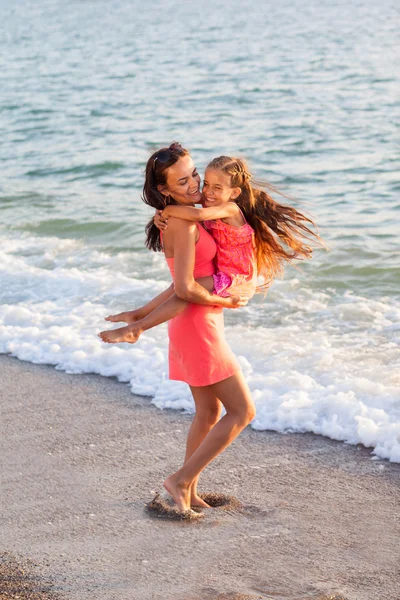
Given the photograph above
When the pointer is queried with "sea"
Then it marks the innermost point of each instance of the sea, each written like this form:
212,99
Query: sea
308,92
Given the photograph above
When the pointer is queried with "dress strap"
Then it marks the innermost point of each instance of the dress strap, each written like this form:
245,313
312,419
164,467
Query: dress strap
241,212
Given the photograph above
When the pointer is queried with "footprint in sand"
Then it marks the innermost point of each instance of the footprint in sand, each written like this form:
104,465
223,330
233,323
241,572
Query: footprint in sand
162,506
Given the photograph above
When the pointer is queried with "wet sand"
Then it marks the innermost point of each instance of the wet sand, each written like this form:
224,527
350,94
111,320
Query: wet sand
20,579
82,456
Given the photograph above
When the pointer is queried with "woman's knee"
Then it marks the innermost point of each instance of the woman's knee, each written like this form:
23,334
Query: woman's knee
251,413
244,414
209,415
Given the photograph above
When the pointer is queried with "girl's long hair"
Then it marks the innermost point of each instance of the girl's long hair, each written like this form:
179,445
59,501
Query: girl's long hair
282,233
155,175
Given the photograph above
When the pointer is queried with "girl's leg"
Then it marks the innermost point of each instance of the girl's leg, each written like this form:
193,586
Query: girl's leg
240,411
131,316
208,412
164,312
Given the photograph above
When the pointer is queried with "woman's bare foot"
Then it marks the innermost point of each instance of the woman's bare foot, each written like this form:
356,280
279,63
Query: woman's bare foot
131,316
180,493
129,334
195,500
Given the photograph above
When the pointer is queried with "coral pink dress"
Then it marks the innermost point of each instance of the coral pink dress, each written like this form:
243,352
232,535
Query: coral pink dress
198,351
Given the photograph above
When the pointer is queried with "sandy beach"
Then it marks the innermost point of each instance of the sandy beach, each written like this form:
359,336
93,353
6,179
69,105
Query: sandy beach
82,456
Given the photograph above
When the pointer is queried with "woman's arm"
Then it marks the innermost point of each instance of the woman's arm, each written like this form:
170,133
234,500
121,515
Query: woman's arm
190,213
183,237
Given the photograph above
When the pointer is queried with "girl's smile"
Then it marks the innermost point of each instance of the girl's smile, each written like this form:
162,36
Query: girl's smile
217,188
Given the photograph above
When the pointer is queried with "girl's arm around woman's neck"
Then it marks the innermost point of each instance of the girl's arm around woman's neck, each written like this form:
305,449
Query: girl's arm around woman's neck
210,213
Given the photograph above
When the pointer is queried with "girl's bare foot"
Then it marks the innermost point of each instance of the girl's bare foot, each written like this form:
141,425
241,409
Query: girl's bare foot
131,316
179,492
129,334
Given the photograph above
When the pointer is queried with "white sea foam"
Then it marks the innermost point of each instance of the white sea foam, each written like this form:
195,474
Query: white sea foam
321,362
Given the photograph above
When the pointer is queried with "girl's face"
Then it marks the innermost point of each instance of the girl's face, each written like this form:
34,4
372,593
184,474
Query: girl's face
183,182
217,188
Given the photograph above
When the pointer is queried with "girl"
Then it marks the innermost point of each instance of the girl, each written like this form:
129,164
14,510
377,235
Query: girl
247,226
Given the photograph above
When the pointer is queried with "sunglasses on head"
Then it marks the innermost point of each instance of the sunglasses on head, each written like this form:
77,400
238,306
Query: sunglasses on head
165,155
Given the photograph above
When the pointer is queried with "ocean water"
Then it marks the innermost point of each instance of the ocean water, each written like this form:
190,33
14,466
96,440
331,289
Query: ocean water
308,92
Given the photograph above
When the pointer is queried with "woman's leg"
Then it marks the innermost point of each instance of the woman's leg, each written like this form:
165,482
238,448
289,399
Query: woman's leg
208,412
164,312
240,411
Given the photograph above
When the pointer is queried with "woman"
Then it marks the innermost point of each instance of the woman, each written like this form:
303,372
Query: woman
198,352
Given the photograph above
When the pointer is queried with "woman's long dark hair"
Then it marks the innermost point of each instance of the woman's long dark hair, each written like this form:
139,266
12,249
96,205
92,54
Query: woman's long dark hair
273,223
156,175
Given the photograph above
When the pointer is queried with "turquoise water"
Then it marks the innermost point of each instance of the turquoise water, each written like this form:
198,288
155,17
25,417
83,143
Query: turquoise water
309,94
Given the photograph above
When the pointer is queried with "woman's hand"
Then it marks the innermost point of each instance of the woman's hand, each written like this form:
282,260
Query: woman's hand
159,221
235,301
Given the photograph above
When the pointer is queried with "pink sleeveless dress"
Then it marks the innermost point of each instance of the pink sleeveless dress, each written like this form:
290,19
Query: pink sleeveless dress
198,351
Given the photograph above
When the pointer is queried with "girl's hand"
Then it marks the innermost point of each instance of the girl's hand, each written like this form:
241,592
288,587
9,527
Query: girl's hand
236,301
159,221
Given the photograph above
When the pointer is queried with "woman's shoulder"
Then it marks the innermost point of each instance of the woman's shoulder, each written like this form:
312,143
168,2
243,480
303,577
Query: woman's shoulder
180,225
179,231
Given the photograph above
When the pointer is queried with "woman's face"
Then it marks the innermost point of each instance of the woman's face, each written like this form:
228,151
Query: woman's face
183,182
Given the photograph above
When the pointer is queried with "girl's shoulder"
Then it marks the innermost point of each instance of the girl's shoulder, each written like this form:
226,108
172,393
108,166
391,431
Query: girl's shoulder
240,225
230,234
237,220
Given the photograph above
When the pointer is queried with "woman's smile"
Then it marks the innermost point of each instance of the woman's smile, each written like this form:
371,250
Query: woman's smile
183,182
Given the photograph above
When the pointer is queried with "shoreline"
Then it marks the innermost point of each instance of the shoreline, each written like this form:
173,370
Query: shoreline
82,456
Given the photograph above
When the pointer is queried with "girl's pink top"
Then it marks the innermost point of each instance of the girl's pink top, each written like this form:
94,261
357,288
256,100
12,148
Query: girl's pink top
235,252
